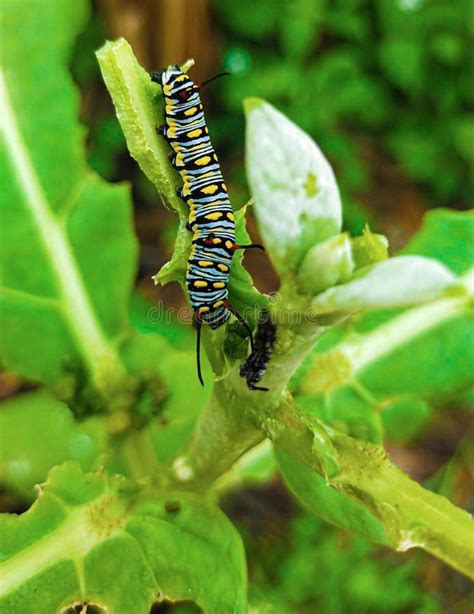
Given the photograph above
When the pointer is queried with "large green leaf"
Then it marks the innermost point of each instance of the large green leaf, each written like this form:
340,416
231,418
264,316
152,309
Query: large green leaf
89,536
153,418
446,235
38,432
297,201
67,255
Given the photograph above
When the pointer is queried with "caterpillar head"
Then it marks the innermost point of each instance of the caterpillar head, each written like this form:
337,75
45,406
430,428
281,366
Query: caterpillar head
175,83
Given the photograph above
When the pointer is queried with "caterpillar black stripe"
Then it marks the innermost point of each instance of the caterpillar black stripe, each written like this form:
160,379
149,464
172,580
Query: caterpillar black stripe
255,365
211,219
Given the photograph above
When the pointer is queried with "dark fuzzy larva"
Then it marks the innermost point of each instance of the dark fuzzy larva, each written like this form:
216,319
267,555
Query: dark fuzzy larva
255,365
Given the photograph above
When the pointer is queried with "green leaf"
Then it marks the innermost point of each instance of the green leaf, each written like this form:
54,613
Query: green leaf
297,201
243,295
90,535
360,350
447,236
152,356
326,502
64,290
404,418
38,432
139,106
400,281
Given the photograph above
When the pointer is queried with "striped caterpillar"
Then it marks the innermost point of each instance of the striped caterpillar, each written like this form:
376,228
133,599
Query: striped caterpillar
211,219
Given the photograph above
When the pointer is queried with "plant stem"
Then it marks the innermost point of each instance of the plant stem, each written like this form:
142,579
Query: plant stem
226,428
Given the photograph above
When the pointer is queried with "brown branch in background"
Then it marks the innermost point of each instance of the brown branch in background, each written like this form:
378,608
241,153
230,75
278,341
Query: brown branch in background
163,32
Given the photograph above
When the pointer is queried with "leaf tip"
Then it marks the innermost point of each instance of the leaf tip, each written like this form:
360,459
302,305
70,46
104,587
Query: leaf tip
252,103
110,46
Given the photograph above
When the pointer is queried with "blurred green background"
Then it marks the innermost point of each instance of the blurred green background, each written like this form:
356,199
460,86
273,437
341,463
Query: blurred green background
386,90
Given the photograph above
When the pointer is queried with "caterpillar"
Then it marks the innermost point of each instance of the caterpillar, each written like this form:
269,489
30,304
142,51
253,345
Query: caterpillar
255,365
211,218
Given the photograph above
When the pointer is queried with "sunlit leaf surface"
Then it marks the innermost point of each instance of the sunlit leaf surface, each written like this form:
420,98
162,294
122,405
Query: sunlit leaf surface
100,539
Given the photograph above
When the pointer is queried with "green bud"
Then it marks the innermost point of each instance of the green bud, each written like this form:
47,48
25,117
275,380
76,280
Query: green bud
326,264
369,248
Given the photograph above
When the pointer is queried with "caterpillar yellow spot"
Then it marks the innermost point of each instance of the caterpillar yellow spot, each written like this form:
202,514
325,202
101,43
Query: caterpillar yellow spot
169,108
210,189
224,187
179,159
218,284
190,111
230,216
194,133
206,130
171,133
203,309
180,78
204,263
167,90
216,241
223,267
229,244
200,284
218,303
214,216
203,161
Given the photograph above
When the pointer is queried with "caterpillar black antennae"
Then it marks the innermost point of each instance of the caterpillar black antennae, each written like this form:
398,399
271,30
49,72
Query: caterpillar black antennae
204,83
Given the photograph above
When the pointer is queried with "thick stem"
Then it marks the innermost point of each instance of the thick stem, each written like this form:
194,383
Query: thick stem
412,516
226,428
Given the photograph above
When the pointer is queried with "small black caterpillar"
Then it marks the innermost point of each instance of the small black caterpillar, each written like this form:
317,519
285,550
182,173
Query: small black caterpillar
254,367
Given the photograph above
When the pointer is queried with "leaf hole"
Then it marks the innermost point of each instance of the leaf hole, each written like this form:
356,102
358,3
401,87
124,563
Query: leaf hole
173,507
84,607
168,607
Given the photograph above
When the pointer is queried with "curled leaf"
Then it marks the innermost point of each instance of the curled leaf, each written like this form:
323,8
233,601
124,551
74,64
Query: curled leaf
398,282
297,201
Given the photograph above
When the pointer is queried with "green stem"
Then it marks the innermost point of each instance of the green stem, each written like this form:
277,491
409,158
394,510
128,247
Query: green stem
412,516
226,428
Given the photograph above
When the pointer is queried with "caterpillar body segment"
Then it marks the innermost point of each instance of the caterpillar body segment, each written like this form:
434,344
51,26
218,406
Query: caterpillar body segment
211,218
